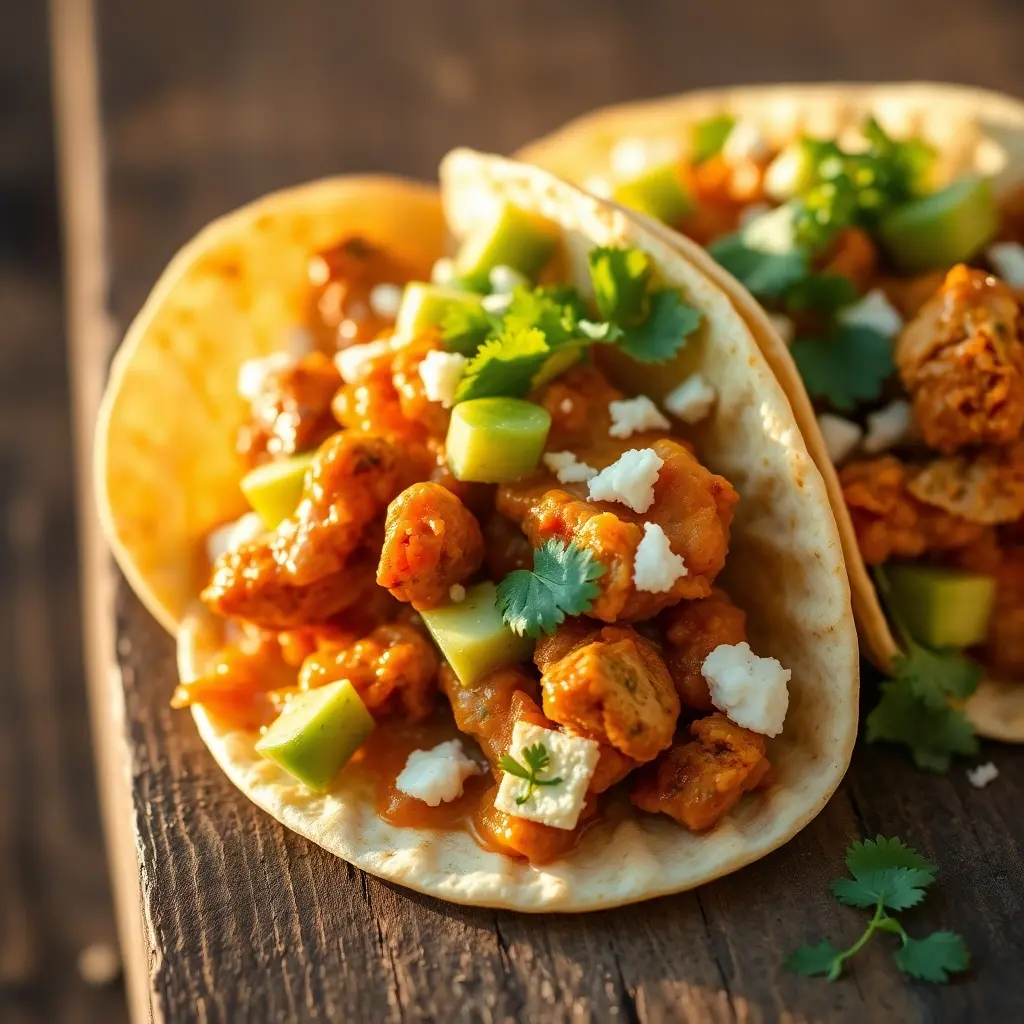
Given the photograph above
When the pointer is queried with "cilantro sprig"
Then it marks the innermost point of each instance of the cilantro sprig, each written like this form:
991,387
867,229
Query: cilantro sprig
537,760
915,708
886,875
848,365
561,583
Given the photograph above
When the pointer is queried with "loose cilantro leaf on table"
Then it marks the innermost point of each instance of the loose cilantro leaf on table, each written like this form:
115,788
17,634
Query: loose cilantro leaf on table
561,583
848,366
537,760
505,365
886,875
915,708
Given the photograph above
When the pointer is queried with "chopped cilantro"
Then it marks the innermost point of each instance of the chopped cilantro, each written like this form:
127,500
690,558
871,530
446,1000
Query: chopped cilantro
554,311
464,329
886,875
821,294
505,365
848,366
537,760
561,583
709,136
653,324
915,706
765,256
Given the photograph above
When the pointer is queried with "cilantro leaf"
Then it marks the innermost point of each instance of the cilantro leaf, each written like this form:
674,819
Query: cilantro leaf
554,312
932,733
620,277
935,676
709,136
849,366
505,365
537,760
895,888
765,274
507,763
934,957
561,583
821,959
464,329
823,294
669,323
881,854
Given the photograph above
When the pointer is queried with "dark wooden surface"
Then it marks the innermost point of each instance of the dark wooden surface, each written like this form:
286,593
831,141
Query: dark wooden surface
206,105
54,895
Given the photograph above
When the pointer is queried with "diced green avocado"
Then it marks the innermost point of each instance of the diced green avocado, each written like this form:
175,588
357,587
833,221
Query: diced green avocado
425,305
473,636
515,238
658,193
317,732
491,440
946,227
709,136
942,607
275,488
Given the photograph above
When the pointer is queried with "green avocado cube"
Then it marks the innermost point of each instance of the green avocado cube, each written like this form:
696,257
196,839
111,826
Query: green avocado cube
942,607
491,440
317,732
473,636
275,488
426,305
949,226
658,193
516,238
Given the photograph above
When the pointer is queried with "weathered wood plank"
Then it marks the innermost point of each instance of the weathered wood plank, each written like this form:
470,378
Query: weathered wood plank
207,106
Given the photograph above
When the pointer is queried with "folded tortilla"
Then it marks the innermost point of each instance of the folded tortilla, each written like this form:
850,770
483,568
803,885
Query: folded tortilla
167,473
973,131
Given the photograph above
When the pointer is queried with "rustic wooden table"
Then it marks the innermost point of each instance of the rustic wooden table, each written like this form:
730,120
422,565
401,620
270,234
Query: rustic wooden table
226,916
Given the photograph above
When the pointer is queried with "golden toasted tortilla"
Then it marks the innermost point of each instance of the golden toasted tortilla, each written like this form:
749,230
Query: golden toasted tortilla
166,474
973,130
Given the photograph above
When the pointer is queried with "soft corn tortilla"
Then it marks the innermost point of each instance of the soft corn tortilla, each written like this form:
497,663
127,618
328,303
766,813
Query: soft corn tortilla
166,475
973,130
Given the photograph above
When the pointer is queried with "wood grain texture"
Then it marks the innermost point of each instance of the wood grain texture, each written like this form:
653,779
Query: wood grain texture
208,105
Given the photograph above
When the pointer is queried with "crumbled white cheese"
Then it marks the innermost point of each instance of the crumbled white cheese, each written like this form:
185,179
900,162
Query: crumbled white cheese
630,479
496,305
504,280
567,468
436,776
752,212
887,427
253,373
784,326
656,567
233,535
385,300
443,271
745,142
352,362
840,435
874,310
441,373
456,593
572,760
631,156
981,775
635,415
750,690
1007,259
692,400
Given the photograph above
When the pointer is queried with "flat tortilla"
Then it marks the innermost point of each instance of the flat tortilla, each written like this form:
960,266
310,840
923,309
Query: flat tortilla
166,475
973,130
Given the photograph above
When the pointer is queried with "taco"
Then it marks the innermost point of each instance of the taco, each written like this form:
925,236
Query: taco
881,228
448,602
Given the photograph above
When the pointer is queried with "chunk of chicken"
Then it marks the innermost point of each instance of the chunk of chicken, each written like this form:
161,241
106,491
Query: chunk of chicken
691,504
578,403
394,669
700,781
962,362
616,690
300,574
693,629
292,412
432,541
889,521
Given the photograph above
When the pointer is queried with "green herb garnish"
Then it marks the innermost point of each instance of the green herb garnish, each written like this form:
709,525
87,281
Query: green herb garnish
709,136
915,709
505,365
561,583
849,365
887,875
537,760
464,329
